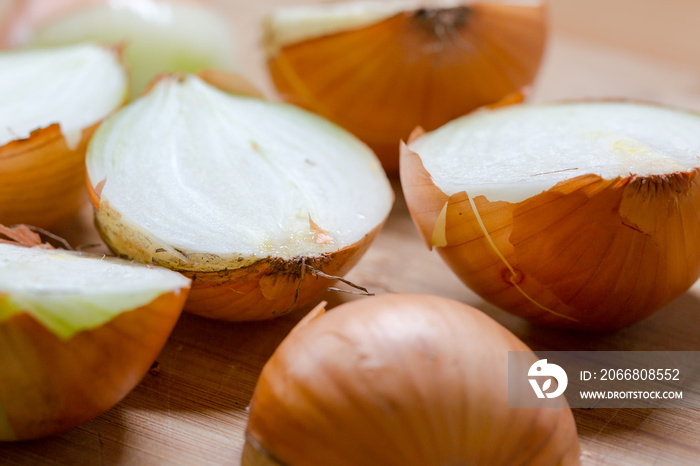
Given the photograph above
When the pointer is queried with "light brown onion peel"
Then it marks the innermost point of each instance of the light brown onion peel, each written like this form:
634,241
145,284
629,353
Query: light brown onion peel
588,253
405,65
399,380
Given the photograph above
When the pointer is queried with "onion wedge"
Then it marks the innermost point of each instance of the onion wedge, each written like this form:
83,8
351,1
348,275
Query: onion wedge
77,333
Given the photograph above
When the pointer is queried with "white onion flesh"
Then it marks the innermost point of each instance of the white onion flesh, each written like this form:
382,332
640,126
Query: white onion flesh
203,171
69,292
299,23
74,86
160,36
514,153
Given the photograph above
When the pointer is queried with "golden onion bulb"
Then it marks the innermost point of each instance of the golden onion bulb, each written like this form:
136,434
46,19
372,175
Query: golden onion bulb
52,100
77,333
158,35
261,204
381,69
581,215
400,380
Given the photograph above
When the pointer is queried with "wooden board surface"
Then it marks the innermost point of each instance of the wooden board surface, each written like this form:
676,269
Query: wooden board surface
194,410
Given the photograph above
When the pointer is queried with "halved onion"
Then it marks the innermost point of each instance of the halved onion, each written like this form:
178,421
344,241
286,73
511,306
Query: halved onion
160,35
254,200
582,215
400,380
77,333
51,100
380,69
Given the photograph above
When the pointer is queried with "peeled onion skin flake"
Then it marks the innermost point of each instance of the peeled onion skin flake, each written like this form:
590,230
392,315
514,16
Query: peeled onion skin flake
52,100
577,215
77,333
261,204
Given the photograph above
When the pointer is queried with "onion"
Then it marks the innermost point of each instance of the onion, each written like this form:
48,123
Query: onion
581,215
161,35
258,202
77,333
380,69
400,380
51,102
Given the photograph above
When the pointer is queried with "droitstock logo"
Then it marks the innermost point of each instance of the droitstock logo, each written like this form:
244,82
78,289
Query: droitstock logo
541,370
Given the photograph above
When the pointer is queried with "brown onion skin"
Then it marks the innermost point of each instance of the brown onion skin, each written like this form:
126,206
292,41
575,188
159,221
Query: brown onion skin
382,80
48,385
41,178
400,380
632,246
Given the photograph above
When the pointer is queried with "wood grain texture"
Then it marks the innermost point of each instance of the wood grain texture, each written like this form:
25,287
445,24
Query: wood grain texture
194,410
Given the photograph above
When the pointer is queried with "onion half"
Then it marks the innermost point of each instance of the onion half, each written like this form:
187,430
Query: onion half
380,69
160,35
51,100
77,333
257,202
400,380
581,215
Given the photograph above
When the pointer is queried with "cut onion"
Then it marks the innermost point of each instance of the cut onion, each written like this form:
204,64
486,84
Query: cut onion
77,333
255,201
161,35
401,380
51,101
380,69
582,215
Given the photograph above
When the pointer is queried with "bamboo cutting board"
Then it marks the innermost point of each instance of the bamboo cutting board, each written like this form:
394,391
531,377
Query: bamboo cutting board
192,409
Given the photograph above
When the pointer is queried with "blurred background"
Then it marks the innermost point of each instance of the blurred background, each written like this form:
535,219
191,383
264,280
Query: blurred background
642,49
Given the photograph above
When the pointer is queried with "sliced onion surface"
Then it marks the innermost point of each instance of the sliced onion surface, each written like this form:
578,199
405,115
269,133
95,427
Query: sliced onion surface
203,181
51,100
77,333
582,215
160,36
381,69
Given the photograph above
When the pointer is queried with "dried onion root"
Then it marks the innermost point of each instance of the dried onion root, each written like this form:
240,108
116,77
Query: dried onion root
380,69
257,202
77,333
52,100
580,215
400,380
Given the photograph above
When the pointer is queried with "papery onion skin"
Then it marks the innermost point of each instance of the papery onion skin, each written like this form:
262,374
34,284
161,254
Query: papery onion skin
48,385
400,380
632,246
420,76
229,288
41,178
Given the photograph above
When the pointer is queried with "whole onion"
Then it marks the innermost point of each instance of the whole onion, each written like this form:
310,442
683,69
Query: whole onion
400,380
